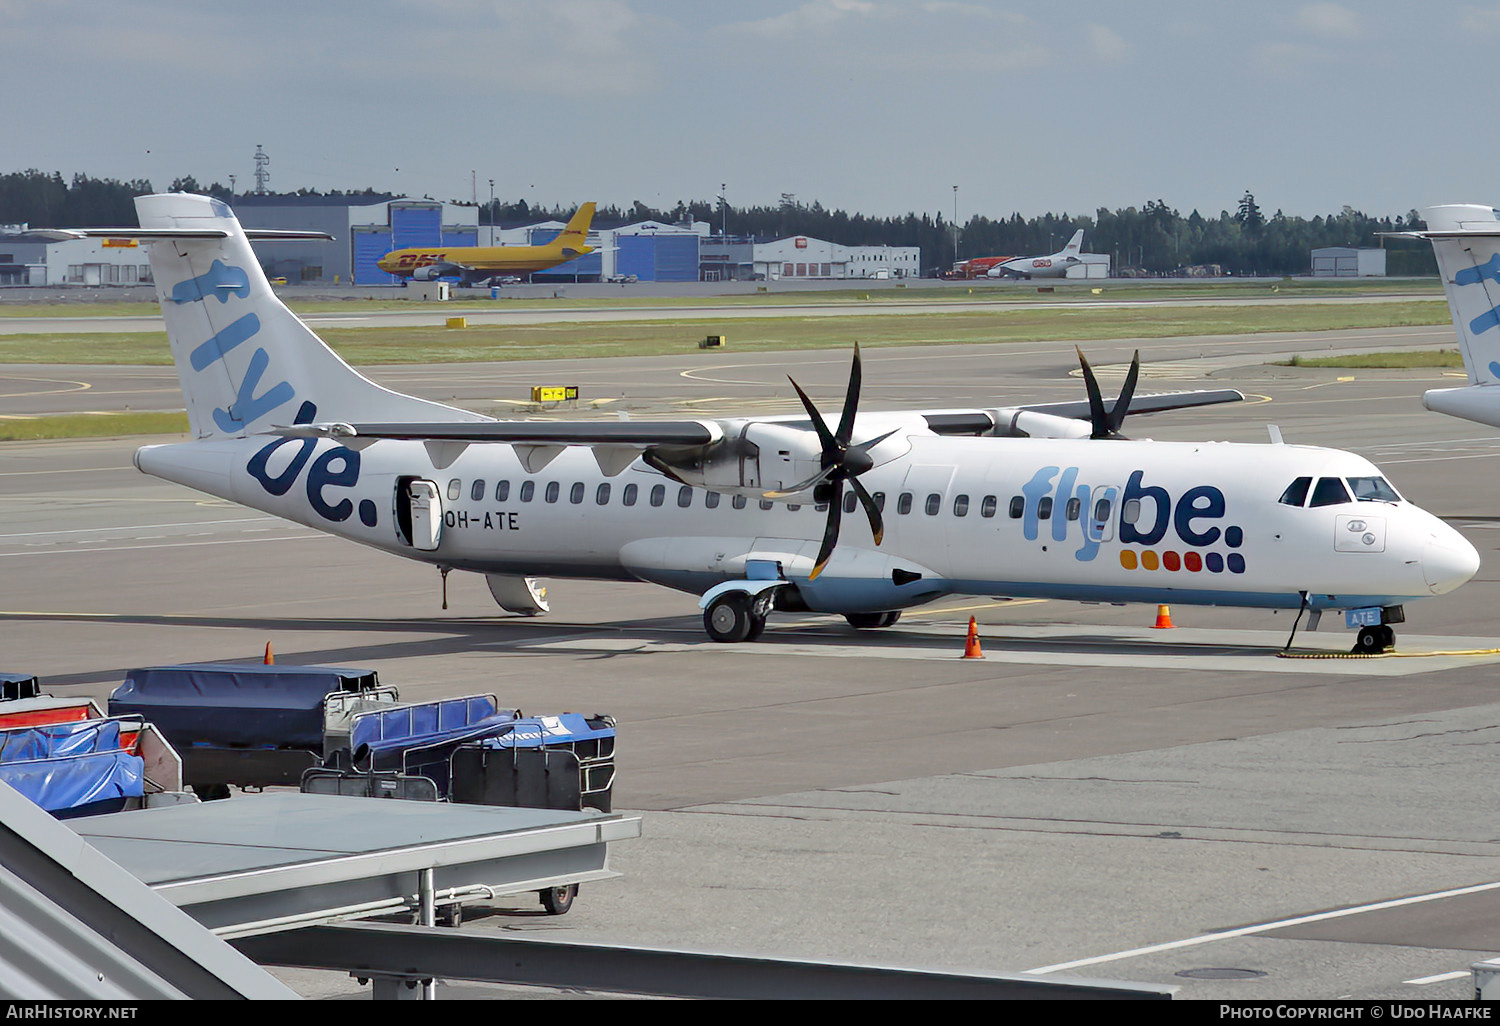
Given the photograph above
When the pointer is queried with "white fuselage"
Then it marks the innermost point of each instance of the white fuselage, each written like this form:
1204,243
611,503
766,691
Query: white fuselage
1058,518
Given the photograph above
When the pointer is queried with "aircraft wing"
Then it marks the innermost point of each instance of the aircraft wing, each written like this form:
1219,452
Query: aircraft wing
977,422
523,432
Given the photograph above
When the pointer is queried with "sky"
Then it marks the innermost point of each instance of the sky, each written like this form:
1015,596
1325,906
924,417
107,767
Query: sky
879,107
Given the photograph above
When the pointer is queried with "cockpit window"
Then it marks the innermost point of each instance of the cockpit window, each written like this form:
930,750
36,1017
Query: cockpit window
1373,489
1296,492
1329,491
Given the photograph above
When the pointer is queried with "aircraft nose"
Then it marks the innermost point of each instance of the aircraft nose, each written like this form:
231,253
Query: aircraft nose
1449,561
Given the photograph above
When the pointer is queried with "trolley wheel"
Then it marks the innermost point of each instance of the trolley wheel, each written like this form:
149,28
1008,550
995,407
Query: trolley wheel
211,792
557,900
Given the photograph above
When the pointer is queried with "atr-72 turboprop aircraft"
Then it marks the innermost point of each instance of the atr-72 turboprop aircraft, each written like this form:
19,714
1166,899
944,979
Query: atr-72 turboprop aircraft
750,513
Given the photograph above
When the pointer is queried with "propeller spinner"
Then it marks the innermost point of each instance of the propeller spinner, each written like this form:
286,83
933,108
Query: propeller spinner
1107,424
841,462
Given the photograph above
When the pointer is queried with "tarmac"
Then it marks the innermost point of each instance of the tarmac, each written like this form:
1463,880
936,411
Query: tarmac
1095,798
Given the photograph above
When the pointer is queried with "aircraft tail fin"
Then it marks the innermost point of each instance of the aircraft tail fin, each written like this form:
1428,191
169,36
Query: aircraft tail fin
1075,244
575,235
1466,241
246,363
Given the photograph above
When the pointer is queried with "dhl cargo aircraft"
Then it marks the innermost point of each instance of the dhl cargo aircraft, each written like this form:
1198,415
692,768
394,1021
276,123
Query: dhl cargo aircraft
476,263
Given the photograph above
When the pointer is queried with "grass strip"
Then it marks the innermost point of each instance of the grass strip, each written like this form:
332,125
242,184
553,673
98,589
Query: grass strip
91,425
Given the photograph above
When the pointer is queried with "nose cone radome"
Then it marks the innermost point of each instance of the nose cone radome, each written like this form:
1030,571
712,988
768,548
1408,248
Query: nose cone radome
1449,561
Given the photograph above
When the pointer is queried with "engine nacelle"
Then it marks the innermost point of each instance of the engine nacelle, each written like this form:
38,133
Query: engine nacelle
1013,423
769,456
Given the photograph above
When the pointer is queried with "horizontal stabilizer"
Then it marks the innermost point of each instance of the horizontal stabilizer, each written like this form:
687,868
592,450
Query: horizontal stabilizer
167,234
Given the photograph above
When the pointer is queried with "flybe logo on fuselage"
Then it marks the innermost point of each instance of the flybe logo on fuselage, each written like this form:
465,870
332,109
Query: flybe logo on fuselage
1155,529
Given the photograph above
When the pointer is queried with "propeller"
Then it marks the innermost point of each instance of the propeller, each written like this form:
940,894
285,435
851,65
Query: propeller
842,462
1107,425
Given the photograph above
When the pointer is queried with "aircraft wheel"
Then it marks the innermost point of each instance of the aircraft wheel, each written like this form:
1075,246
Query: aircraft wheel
729,619
1370,640
867,621
557,900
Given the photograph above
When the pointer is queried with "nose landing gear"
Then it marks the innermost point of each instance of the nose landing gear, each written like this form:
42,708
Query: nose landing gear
1373,640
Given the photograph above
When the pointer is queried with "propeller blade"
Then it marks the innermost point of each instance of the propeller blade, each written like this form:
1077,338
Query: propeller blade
1097,417
825,437
851,401
830,529
877,523
1122,404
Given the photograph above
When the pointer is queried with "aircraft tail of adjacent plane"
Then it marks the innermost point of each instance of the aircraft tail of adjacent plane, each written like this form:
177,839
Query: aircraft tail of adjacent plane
1466,241
247,363
574,236
1075,244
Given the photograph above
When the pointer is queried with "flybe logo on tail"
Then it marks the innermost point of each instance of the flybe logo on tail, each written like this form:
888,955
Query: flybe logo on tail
1137,515
220,281
249,404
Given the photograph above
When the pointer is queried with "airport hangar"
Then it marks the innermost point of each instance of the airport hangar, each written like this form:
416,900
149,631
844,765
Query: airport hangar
365,228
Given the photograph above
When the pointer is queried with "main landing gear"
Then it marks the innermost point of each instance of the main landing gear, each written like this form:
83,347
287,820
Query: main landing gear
737,616
867,621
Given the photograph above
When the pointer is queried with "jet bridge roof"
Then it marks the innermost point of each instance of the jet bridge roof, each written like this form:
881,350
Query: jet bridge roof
259,863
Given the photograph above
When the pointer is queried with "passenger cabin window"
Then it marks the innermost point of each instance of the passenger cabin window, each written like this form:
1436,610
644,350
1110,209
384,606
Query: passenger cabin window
552,491
1373,489
575,494
685,496
879,498
476,490
738,502
1074,508
1044,508
502,491
960,505
1017,506
766,504
528,489
1101,511
903,504
933,504
627,497
711,500
601,495
658,494
850,501
455,488
988,506
1131,512
1296,492
1329,491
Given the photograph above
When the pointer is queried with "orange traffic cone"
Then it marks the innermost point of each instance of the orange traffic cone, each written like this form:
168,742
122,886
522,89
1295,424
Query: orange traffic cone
971,646
269,657
1163,618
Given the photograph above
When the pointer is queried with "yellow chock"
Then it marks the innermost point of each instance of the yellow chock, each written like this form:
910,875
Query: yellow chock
971,645
458,322
1163,618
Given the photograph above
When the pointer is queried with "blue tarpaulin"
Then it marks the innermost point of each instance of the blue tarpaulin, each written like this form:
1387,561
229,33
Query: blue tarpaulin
71,768
236,705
